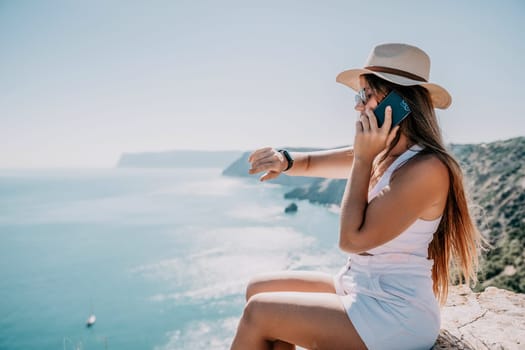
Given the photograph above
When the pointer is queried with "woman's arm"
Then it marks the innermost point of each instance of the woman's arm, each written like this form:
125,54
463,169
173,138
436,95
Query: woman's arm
332,164
418,188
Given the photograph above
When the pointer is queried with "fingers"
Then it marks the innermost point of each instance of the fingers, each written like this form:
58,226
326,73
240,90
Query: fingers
364,118
260,166
265,159
387,124
259,153
372,119
370,139
269,176
369,121
358,126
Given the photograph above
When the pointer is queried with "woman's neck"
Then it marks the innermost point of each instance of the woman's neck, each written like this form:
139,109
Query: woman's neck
402,145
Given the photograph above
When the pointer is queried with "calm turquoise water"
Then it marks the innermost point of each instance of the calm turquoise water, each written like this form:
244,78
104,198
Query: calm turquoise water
160,256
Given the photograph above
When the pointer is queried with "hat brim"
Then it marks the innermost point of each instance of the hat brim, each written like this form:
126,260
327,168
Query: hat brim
440,97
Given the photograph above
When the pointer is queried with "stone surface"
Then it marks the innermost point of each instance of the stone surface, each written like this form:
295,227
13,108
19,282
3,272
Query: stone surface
492,319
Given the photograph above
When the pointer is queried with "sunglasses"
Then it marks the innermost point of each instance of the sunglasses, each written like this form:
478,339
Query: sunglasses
361,97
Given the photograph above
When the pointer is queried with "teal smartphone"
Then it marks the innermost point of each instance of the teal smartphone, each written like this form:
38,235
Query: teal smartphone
400,109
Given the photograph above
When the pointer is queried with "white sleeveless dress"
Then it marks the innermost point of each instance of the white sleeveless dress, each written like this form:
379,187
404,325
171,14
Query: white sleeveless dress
388,295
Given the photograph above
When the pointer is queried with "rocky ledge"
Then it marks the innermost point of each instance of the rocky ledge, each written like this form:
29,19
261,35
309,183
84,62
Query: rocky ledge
492,319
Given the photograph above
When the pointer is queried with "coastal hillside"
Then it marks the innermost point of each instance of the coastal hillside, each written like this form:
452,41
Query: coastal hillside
495,180
495,177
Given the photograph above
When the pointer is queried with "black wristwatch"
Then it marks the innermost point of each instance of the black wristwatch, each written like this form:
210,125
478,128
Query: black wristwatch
288,157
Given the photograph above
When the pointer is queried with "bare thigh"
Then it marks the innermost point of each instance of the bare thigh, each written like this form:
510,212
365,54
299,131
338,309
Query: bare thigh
311,320
291,281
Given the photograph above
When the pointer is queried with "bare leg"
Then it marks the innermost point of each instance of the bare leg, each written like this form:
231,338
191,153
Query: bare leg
310,320
291,281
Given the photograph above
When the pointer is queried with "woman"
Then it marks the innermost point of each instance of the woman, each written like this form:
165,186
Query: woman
404,221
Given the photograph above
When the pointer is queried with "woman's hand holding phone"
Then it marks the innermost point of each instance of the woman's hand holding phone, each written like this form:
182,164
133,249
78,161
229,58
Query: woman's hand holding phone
370,139
400,109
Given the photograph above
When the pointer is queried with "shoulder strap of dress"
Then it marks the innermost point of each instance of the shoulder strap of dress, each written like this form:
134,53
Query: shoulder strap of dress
404,157
385,179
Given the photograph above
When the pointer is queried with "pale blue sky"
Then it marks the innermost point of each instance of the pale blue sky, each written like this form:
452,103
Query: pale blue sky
83,81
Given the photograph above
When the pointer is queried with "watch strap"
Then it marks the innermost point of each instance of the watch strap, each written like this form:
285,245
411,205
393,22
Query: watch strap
288,157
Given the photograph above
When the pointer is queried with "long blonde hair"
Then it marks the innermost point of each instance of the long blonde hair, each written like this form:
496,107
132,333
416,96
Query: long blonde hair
456,243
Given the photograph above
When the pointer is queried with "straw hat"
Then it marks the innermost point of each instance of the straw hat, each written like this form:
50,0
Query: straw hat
401,64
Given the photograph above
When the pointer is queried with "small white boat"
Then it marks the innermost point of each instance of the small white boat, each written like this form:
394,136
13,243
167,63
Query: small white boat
91,320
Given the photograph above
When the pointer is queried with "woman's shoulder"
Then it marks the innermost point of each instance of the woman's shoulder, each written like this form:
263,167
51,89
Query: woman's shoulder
424,159
427,167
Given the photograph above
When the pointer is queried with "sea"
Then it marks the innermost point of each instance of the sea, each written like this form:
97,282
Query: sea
161,257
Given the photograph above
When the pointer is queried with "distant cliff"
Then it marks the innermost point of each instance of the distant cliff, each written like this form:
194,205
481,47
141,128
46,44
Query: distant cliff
495,180
178,159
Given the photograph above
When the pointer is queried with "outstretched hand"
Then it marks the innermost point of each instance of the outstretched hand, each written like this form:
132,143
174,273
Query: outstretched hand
370,139
267,160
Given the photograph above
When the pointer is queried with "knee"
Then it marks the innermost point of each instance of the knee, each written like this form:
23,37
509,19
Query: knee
253,310
254,287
